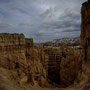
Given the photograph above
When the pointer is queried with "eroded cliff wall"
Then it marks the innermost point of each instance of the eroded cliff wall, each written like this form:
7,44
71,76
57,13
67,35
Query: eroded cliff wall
17,54
11,39
85,41
85,31
12,50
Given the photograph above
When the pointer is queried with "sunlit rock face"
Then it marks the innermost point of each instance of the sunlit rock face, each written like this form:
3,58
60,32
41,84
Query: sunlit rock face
11,39
12,50
17,54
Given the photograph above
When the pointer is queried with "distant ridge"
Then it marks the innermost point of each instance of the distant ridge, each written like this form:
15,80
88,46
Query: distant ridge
66,40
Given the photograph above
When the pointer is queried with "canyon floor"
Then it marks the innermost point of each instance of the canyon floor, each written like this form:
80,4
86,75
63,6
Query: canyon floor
7,84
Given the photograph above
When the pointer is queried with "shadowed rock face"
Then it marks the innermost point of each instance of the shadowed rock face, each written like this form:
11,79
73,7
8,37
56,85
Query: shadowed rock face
85,29
54,59
29,42
85,41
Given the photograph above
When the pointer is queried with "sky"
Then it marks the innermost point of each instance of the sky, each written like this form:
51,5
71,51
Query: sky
42,20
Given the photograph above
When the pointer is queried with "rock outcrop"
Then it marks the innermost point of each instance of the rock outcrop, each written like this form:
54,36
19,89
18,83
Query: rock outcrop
71,67
61,62
85,32
12,50
11,39
85,29
85,42
17,54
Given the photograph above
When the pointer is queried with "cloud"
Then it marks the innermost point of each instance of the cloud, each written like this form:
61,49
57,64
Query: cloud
5,25
41,19
66,20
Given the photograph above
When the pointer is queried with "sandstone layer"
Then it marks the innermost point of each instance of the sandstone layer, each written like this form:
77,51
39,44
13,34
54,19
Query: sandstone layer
17,54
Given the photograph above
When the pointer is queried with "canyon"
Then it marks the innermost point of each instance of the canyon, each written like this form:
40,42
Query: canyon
25,67
21,63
